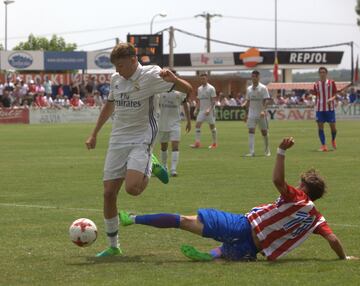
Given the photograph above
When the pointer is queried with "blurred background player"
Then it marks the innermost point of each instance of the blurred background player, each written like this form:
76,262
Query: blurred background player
134,130
272,229
170,125
206,95
325,91
257,99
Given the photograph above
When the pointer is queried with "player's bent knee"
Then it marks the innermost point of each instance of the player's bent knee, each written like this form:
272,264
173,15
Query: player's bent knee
134,190
192,224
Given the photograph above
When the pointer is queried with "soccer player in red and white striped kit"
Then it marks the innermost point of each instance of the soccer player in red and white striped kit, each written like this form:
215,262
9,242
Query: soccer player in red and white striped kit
325,91
272,229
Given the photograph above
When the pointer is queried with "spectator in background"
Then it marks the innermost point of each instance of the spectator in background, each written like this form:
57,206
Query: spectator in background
48,99
39,88
90,86
60,90
32,87
6,99
232,101
224,100
90,101
9,85
25,104
40,100
98,99
74,88
352,96
76,102
48,87
1,89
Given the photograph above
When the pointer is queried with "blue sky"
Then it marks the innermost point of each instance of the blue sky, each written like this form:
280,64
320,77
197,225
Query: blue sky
251,22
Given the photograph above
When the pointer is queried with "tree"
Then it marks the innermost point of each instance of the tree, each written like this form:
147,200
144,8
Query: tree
357,9
1,47
41,43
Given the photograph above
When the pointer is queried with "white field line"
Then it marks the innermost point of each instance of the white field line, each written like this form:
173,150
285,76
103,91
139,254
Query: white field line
48,207
97,210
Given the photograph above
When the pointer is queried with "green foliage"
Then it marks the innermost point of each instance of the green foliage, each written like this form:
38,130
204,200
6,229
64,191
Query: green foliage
357,10
48,179
41,43
1,47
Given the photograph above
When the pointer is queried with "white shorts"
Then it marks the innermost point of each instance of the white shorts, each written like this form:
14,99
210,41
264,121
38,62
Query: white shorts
166,136
261,121
208,118
129,157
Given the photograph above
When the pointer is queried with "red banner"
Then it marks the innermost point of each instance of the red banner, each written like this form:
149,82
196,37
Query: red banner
14,115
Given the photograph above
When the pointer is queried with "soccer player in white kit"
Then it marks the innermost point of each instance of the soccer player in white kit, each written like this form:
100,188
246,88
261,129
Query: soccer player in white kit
170,126
128,159
207,98
257,98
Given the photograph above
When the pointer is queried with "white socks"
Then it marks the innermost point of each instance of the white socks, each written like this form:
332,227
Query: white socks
174,160
197,134
112,230
251,143
164,158
213,134
266,142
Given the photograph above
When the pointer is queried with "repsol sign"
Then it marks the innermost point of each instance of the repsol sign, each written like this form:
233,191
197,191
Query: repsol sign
308,58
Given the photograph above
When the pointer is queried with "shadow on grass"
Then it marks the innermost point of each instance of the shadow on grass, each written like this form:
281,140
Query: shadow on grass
125,259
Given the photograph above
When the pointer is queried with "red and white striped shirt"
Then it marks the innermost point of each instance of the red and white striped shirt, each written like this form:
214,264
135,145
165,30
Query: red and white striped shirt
285,224
324,90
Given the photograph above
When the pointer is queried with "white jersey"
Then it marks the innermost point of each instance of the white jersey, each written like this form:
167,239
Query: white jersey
205,95
170,110
134,120
256,97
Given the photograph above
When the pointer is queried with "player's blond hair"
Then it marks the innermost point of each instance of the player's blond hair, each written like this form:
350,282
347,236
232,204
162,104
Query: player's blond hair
315,184
122,50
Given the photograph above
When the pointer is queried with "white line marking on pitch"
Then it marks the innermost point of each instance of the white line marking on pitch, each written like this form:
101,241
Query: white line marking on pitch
97,210
48,207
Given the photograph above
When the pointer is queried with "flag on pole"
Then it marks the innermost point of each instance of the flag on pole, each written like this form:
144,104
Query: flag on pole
276,70
356,74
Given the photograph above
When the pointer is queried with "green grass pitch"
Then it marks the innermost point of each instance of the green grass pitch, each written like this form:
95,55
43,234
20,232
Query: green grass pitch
48,179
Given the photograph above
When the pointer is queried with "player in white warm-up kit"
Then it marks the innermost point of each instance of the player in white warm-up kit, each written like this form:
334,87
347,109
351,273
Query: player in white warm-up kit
170,126
207,97
257,98
134,130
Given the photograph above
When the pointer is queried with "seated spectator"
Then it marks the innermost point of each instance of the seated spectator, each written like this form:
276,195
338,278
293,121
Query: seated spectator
89,100
40,100
6,99
224,101
232,101
25,104
76,102
49,100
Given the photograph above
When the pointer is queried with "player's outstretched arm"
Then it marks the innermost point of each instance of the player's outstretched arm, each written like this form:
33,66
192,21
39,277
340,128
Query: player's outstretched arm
336,245
279,168
105,113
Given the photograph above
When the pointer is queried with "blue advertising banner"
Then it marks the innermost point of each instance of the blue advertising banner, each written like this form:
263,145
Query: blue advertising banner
65,60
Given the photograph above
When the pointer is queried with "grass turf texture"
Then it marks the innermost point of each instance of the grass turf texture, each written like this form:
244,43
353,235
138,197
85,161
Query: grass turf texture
49,166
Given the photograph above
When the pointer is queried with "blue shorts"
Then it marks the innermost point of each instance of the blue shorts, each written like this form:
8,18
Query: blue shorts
234,230
325,116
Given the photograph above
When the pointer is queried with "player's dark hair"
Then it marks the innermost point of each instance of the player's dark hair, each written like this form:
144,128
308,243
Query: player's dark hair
255,72
323,68
204,74
314,184
122,50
